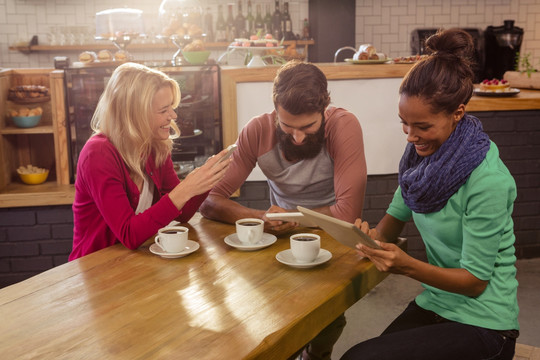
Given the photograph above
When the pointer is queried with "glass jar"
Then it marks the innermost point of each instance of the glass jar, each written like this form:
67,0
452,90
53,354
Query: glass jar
181,19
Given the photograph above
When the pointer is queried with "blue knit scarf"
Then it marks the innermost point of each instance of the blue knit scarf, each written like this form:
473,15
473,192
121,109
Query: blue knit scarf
428,182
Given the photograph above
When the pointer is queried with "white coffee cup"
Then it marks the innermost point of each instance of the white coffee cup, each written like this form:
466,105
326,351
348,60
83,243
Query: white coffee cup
249,230
172,239
305,247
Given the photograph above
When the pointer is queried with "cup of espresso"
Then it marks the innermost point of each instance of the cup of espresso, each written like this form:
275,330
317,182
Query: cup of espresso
249,230
172,239
305,247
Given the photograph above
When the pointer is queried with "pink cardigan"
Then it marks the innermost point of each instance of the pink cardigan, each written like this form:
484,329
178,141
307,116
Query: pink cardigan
106,199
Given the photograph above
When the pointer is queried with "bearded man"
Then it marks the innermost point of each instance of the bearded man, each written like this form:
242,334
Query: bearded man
311,154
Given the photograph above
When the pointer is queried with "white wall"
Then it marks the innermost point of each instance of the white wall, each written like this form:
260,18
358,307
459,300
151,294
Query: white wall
373,101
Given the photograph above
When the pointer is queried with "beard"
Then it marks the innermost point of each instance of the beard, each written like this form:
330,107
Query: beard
310,148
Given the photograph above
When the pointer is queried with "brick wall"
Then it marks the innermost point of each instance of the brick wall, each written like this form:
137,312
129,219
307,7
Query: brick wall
35,239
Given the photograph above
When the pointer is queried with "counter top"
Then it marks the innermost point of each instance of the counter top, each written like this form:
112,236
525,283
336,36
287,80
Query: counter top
525,100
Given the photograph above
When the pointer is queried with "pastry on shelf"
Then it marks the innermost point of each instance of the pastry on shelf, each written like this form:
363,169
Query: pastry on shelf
105,56
87,57
121,55
28,93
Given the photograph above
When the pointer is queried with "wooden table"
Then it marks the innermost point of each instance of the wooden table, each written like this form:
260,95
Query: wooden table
216,303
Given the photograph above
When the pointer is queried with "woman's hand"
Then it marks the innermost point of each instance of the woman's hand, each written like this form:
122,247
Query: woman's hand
364,226
390,259
200,180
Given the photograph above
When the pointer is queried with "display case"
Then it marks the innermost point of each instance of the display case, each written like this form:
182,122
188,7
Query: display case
41,145
199,112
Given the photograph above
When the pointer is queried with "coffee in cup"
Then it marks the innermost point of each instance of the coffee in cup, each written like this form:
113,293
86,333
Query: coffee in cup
249,230
305,247
172,239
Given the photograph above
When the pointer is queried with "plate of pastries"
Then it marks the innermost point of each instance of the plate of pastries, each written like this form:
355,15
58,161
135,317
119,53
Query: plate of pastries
367,54
27,94
495,88
102,57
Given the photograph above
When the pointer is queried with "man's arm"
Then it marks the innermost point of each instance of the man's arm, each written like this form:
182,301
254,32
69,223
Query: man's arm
217,207
250,143
346,146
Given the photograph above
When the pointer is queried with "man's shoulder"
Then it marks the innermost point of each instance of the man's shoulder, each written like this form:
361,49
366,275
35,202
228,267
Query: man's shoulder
339,119
261,122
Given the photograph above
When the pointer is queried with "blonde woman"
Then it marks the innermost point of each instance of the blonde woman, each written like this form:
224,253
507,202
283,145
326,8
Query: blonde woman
126,186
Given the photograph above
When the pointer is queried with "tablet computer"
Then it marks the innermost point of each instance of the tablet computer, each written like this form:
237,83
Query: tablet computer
344,232
291,217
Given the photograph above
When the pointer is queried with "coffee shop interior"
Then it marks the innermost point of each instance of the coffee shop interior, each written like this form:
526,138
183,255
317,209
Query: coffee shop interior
43,41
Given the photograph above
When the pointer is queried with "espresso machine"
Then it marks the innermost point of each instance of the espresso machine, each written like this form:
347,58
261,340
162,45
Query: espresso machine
502,44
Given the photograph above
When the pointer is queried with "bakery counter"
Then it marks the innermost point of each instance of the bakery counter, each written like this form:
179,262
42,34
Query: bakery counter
526,99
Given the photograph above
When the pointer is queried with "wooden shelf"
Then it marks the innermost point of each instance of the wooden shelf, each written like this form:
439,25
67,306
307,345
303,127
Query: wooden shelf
131,47
13,130
17,194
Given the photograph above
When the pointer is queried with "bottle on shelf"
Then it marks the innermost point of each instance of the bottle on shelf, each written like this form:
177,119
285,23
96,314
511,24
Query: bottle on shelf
250,20
305,30
209,25
221,26
277,31
231,26
258,25
286,23
268,20
240,23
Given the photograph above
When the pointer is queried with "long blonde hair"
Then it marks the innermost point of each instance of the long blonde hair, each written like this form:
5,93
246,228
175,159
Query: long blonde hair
124,114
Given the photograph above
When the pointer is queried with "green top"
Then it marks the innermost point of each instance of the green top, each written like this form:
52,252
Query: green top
474,231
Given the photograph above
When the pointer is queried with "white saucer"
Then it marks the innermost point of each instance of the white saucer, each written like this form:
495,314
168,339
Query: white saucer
191,246
286,257
267,240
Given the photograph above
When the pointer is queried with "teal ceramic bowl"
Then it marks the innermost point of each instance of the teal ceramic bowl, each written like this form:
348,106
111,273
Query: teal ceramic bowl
196,57
26,121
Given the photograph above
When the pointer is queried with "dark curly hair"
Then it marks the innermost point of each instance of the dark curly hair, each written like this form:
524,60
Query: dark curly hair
301,88
445,78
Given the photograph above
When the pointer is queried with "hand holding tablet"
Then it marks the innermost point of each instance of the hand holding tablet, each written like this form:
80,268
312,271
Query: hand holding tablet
344,232
297,217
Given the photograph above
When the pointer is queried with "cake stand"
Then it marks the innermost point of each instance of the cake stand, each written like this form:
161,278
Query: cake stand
179,42
121,41
256,52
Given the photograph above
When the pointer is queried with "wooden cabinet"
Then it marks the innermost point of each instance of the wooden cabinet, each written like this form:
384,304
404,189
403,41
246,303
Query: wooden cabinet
44,145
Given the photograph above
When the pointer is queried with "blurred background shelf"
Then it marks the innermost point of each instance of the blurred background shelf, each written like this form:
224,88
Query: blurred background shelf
134,46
